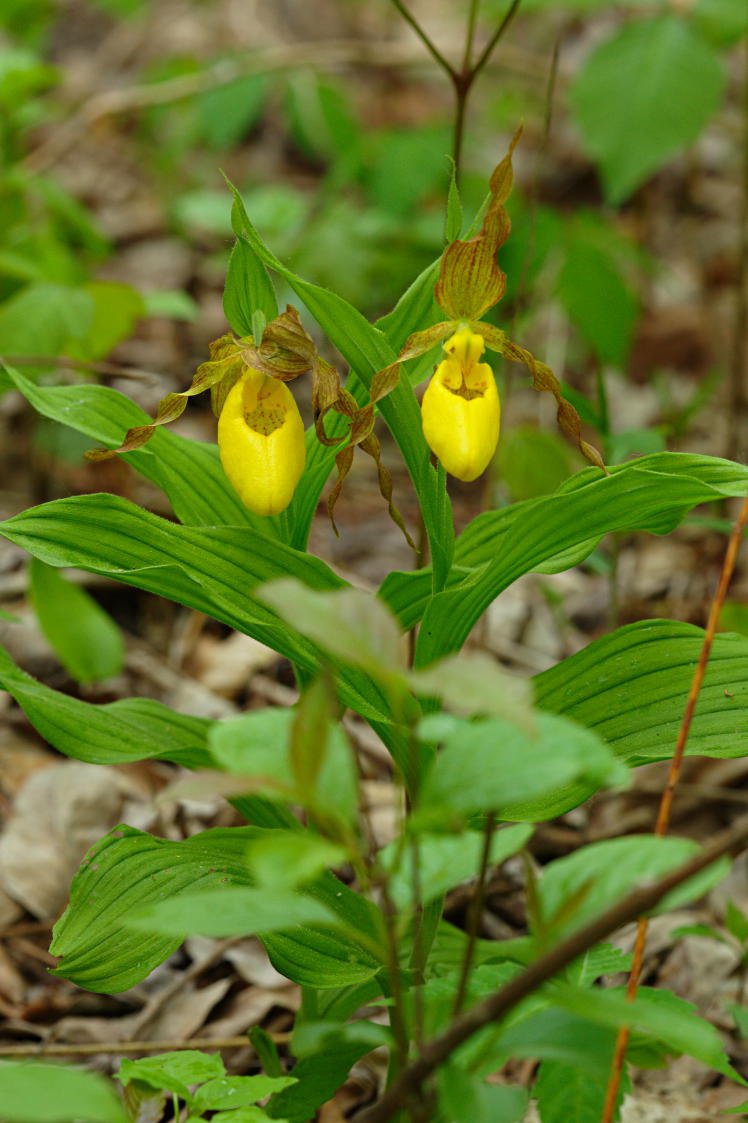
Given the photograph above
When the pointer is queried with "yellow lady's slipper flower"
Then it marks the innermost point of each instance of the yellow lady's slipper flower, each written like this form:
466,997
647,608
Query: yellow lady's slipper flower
461,412
261,442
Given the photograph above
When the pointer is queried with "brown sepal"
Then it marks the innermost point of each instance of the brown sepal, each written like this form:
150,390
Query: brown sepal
470,280
286,351
225,363
543,378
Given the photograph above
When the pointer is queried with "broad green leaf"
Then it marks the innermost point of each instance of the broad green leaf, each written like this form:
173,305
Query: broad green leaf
257,744
576,888
493,765
564,1092
473,683
655,1012
643,95
535,533
128,869
228,911
173,1071
239,1091
42,319
736,922
721,21
82,635
469,1099
212,569
349,623
597,300
49,1093
447,860
289,860
188,471
532,461
553,1034
367,351
228,112
318,1079
116,308
557,531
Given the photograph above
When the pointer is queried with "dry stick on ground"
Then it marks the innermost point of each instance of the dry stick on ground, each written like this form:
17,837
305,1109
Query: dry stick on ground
666,802
498,1004
167,1046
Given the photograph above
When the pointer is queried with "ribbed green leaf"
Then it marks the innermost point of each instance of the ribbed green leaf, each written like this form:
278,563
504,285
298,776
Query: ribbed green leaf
630,687
131,729
188,471
128,869
248,290
495,535
367,350
650,494
212,569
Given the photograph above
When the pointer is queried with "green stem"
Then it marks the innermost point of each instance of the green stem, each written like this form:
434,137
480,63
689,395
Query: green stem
475,913
470,35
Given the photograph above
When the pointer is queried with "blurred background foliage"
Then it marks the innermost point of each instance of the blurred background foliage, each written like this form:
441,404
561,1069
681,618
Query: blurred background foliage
117,116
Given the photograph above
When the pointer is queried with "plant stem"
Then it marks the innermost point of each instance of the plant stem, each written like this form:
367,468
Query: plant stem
501,1002
493,41
736,418
475,913
427,41
470,35
419,959
666,802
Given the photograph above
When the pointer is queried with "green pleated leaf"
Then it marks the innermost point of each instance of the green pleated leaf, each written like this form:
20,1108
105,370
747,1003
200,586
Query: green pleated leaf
129,870
631,686
675,482
367,350
248,290
131,729
211,569
649,494
49,1093
188,471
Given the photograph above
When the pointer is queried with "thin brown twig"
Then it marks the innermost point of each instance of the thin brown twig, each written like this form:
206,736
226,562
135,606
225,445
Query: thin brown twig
87,1049
666,801
425,38
501,1002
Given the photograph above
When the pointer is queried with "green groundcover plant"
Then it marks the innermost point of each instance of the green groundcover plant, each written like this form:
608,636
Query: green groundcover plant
480,756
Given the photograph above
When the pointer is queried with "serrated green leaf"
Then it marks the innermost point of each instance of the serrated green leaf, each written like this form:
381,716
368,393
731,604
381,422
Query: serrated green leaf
447,860
469,1099
564,1092
128,869
654,1012
642,96
82,635
48,1093
173,1071
574,889
492,765
258,744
